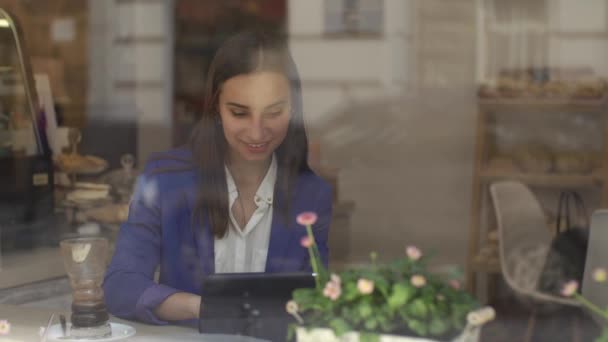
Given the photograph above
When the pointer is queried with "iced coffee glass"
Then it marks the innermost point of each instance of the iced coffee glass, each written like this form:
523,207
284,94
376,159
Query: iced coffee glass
85,260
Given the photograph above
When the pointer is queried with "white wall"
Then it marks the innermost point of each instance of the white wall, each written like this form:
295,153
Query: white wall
577,35
409,165
334,71
374,142
580,34
131,68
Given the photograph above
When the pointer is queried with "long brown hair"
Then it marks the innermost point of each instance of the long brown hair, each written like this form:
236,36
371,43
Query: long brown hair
245,53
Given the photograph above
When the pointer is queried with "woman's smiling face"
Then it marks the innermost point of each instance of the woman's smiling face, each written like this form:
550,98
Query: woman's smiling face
255,112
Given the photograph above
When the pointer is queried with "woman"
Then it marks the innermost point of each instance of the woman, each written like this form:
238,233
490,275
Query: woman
228,202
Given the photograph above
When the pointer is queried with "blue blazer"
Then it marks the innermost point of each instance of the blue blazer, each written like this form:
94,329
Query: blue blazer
162,231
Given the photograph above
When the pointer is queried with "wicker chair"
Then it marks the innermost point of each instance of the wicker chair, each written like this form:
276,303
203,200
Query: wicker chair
524,242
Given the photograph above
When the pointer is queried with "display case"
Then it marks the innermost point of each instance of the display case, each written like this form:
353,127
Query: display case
26,171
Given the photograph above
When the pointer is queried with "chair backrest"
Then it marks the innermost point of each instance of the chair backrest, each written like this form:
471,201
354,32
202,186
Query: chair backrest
597,257
523,234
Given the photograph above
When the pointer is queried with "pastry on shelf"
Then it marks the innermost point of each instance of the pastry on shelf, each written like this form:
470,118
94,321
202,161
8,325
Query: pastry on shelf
556,89
500,164
74,163
87,195
573,163
510,87
488,91
79,164
590,89
108,214
545,83
91,186
533,158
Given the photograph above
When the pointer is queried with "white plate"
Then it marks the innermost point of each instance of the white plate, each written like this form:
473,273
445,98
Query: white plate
119,332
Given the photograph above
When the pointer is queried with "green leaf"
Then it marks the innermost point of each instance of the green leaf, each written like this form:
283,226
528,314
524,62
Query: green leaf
369,337
418,327
438,326
604,336
383,286
349,292
432,308
291,332
400,295
370,324
418,308
351,315
365,310
339,326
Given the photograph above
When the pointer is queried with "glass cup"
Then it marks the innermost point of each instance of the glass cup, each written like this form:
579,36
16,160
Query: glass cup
85,261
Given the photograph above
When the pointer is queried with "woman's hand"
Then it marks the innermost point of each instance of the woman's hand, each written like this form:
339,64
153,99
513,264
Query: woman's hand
179,306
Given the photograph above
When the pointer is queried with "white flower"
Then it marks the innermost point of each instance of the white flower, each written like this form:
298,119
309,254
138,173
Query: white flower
413,252
365,286
5,327
291,307
418,280
336,278
600,275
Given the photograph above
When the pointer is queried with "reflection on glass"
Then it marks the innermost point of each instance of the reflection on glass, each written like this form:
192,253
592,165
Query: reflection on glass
17,125
85,262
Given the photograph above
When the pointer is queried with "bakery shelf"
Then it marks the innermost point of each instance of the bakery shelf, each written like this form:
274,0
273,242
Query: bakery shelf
481,208
482,264
555,105
545,179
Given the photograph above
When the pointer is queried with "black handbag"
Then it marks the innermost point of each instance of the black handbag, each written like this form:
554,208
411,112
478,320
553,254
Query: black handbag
568,252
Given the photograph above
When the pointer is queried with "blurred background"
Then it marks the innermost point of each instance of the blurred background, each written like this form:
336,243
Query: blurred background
413,108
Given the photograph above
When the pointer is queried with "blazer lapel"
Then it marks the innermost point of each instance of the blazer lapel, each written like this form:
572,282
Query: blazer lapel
280,239
204,239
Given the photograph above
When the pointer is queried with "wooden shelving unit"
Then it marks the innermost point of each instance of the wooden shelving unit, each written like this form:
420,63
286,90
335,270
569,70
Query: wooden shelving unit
480,262
544,180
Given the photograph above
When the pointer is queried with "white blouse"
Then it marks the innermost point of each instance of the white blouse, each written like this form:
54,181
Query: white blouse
245,250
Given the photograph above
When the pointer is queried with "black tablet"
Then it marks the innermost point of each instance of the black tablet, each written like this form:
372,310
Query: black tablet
249,304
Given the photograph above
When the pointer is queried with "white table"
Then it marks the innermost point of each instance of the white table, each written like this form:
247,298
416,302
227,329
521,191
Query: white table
26,323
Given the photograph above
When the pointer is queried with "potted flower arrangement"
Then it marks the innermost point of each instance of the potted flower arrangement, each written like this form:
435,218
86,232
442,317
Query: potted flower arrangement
396,301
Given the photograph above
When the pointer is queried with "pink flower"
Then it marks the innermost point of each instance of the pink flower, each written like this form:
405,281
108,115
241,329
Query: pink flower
570,288
413,252
307,218
306,242
332,290
5,327
600,275
365,286
418,280
455,284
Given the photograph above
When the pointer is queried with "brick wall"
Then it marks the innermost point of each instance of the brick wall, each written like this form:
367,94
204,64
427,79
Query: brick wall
66,62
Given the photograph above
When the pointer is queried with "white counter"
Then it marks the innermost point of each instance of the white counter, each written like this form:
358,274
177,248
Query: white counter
28,266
